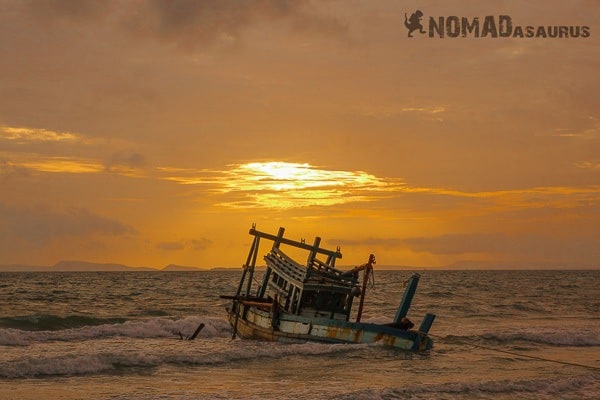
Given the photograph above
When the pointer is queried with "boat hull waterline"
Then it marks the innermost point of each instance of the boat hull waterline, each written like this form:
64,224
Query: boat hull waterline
257,325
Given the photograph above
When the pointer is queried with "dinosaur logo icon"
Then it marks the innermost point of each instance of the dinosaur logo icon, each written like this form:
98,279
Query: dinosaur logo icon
414,22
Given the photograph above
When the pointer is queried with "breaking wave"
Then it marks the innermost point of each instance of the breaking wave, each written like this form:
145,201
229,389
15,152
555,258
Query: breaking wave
90,359
92,328
53,322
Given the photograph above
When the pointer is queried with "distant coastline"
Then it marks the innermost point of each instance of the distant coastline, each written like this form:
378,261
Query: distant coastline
85,266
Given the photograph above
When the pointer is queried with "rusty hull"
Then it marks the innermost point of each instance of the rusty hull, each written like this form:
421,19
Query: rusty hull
253,323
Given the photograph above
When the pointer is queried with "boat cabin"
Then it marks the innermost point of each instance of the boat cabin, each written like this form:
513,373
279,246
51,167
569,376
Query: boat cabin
317,290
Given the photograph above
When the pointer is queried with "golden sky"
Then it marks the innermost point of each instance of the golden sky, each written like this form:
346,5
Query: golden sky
156,132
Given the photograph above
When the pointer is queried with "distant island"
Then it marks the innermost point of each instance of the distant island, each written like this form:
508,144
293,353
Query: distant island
180,268
85,266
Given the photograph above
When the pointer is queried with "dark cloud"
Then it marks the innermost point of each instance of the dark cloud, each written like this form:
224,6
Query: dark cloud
125,158
74,10
39,225
188,23
383,242
194,244
531,247
198,22
9,171
461,243
200,244
171,246
577,250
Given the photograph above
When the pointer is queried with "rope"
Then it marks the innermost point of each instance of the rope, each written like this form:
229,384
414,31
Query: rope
591,367
371,278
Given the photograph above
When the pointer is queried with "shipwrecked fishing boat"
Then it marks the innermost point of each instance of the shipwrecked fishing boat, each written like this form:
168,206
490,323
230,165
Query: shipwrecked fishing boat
313,302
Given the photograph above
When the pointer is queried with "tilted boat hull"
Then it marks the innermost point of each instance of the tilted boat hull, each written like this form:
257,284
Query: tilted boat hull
253,323
313,302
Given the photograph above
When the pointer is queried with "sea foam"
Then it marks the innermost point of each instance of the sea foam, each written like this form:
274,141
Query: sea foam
145,328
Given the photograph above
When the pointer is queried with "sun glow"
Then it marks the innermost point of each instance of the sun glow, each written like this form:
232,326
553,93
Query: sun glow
291,176
284,185
278,184
281,170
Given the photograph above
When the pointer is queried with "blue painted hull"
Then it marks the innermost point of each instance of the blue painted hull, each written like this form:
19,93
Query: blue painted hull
254,323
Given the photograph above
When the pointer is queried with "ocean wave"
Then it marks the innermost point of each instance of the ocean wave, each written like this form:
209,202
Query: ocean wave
120,358
62,366
42,322
554,338
581,386
143,328
588,337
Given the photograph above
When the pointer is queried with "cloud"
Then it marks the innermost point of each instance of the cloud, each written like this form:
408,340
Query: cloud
8,171
369,242
73,10
27,135
187,23
462,243
70,165
591,130
193,23
125,163
63,165
42,150
532,247
591,164
535,248
200,244
285,185
526,198
194,244
41,224
170,246
434,113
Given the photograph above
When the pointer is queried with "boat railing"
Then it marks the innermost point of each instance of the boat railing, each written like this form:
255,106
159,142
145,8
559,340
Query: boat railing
326,269
286,265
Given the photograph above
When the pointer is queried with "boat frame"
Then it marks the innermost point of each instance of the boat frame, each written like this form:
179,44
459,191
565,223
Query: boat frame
296,303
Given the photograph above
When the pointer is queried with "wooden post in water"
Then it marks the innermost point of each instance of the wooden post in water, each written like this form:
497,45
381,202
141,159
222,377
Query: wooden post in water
196,332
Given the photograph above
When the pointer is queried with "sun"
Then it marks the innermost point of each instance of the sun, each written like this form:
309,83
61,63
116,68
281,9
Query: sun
280,176
280,170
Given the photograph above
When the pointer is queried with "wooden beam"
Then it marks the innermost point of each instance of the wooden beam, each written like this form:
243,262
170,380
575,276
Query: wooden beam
313,252
280,239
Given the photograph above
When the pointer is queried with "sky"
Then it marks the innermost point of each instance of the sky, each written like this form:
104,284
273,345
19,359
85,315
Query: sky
157,132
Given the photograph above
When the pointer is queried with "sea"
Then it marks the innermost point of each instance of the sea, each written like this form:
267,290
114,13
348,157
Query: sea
501,334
